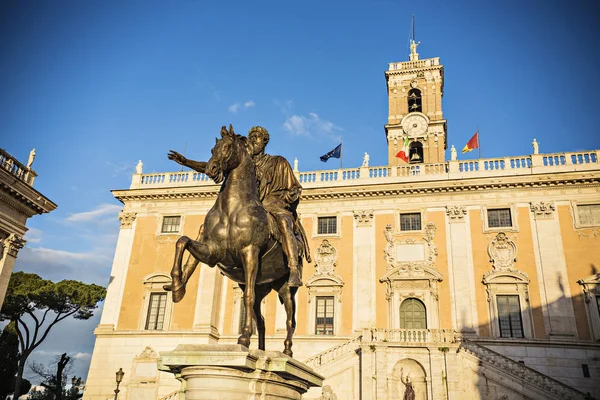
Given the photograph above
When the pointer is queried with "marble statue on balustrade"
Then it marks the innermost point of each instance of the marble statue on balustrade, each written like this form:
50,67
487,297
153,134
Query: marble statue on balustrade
536,146
365,162
31,158
453,153
139,167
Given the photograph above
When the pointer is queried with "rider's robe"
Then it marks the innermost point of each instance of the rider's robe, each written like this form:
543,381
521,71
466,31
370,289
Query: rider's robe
278,187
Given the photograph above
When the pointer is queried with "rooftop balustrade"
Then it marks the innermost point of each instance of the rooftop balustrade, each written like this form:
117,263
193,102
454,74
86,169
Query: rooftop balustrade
15,168
455,169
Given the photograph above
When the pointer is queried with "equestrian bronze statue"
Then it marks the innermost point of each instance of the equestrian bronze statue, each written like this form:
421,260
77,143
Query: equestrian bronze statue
252,233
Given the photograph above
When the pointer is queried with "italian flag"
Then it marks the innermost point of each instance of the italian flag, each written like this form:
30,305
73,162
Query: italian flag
403,154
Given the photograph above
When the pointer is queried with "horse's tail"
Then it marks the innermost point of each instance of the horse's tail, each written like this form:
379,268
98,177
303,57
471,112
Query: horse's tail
300,229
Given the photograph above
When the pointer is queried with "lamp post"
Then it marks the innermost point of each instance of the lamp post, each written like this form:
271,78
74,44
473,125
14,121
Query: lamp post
120,374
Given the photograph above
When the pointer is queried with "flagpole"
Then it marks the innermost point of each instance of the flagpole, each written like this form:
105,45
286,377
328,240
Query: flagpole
478,144
341,153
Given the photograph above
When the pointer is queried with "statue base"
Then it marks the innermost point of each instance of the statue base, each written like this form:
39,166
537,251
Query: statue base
232,372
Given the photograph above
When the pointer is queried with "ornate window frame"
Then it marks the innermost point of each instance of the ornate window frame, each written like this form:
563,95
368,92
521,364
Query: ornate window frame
325,282
513,218
508,282
422,211
591,289
575,213
153,283
338,221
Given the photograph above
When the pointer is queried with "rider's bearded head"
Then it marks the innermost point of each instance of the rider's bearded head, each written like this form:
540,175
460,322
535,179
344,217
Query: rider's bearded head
258,138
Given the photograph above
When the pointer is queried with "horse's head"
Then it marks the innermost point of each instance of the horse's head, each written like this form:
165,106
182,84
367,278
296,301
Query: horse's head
226,155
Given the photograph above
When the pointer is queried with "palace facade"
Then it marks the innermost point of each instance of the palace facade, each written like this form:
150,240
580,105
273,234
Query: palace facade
459,279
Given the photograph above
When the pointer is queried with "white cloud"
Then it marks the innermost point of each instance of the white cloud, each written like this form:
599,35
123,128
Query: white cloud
82,356
235,107
33,235
101,211
311,125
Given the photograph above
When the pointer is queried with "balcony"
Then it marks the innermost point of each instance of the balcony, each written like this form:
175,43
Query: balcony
15,168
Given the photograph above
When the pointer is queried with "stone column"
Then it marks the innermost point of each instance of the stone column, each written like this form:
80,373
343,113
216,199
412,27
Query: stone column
232,372
551,267
208,302
10,248
460,270
364,271
118,274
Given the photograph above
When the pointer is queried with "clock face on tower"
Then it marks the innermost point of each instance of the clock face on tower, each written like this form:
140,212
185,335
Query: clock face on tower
415,124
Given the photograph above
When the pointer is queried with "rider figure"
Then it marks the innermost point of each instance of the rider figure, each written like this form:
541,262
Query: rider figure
279,191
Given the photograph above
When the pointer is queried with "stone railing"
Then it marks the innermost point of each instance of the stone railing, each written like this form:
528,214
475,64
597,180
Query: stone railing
334,353
15,168
410,336
527,375
404,65
455,169
171,396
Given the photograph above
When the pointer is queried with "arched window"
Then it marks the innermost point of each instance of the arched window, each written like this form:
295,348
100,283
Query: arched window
412,314
415,153
414,101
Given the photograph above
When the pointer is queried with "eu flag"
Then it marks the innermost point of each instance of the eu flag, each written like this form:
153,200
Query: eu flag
335,153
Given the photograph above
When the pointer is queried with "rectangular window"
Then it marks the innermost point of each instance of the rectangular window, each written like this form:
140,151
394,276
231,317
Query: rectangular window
410,222
327,225
171,224
586,370
156,311
499,218
509,316
589,214
324,321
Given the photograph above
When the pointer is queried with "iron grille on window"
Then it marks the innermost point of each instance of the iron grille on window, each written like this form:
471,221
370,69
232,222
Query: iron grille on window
589,214
327,225
499,218
410,222
324,320
509,316
156,311
170,224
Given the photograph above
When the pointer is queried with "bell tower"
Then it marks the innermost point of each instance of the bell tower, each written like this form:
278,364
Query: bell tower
415,89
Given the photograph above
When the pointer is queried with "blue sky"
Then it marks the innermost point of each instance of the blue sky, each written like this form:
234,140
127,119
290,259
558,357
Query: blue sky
96,86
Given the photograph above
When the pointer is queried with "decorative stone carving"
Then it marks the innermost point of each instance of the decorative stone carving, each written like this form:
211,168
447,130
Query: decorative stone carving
148,354
126,219
543,210
325,280
325,258
13,243
363,218
389,256
410,252
456,213
502,252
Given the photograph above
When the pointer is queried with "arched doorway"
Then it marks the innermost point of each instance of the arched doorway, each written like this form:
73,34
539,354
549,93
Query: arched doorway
413,314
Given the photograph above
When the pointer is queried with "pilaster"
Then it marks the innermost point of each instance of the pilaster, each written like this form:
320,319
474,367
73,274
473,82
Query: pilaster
552,271
118,273
363,270
208,303
10,248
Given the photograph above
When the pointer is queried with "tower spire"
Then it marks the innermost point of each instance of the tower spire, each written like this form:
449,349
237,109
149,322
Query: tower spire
414,56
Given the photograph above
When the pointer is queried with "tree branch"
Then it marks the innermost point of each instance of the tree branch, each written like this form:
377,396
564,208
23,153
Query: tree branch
19,334
56,320
26,342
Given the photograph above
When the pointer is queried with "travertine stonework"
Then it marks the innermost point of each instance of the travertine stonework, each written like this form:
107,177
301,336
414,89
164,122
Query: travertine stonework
493,294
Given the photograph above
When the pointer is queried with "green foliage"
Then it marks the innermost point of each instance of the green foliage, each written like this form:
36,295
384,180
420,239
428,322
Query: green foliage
46,303
9,348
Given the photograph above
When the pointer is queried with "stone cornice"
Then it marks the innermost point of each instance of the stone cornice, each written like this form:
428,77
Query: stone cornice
22,197
365,190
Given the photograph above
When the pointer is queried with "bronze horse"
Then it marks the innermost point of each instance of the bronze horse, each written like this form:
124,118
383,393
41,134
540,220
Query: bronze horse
235,237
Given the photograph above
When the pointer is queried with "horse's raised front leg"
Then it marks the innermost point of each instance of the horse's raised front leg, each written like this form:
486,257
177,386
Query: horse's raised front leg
287,295
250,262
199,250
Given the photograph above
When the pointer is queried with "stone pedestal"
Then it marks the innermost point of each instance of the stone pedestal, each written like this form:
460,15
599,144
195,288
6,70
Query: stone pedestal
232,372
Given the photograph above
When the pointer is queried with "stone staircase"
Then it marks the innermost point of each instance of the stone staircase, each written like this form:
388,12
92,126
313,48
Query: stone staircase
171,396
334,353
521,373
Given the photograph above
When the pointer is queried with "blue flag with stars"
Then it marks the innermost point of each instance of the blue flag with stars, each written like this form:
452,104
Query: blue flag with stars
335,153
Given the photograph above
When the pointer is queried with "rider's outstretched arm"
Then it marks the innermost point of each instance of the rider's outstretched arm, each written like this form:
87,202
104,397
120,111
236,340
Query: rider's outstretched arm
199,166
